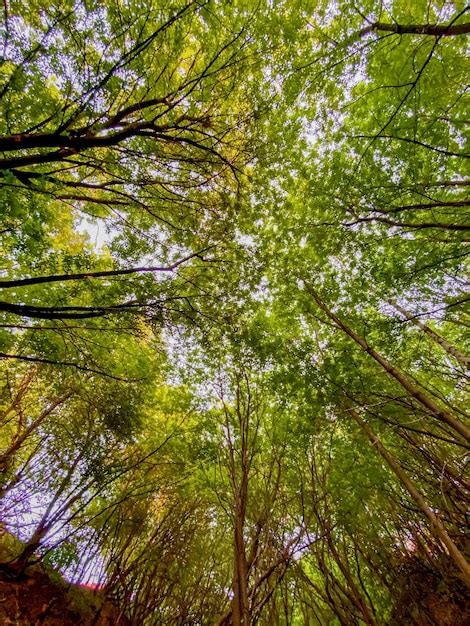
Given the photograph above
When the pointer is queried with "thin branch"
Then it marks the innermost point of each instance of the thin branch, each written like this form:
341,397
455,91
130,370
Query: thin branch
81,368
23,282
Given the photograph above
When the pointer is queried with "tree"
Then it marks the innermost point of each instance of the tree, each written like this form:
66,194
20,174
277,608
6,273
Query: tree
234,307
92,139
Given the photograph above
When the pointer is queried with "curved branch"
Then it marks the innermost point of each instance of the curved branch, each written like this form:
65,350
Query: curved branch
81,368
423,225
23,282
416,142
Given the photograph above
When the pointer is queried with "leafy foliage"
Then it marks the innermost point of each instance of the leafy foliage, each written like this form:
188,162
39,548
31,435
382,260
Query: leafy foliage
233,310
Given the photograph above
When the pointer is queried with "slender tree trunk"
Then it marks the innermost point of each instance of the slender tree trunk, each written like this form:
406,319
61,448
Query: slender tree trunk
422,398
357,598
445,345
241,611
239,473
436,526
19,439
22,390
22,561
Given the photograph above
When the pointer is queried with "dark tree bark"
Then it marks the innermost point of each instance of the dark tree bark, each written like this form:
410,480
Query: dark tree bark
433,30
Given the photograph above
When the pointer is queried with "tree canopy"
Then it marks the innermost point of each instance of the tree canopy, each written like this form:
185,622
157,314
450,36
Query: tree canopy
233,307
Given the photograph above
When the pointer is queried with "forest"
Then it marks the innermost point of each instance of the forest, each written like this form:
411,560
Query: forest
234,347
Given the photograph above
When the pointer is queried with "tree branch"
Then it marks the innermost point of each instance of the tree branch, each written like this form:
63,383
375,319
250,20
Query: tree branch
54,278
433,30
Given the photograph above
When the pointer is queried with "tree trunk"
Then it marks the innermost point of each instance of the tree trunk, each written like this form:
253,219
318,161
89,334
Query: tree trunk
356,596
21,562
239,474
241,611
445,345
436,526
19,439
422,398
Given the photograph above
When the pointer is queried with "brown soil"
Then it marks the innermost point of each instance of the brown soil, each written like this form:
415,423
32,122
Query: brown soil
35,600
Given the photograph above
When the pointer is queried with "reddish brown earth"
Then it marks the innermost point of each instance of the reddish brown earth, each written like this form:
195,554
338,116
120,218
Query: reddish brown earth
35,600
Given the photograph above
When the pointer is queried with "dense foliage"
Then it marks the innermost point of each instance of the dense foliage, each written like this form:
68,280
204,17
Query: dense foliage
233,306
